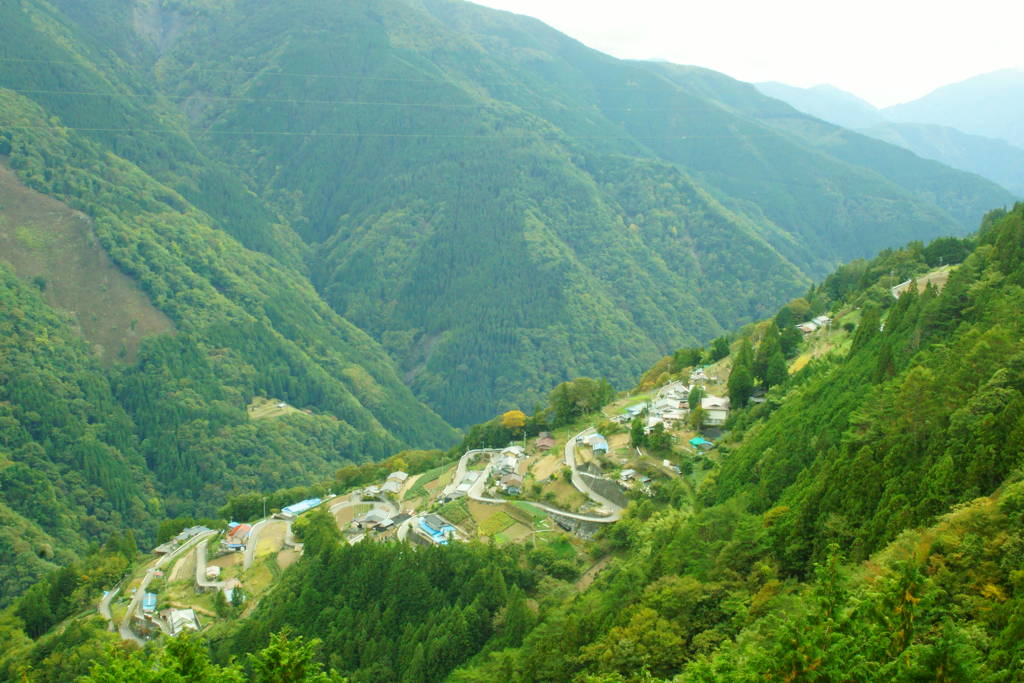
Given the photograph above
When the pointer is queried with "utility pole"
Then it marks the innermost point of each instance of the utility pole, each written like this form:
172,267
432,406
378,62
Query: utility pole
264,507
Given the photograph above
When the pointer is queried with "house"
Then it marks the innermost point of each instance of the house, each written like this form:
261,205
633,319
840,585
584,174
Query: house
391,486
807,327
665,404
372,491
698,376
179,620
512,484
373,518
507,464
190,532
674,415
627,475
822,320
545,441
399,518
399,476
716,410
237,536
597,443
466,485
635,409
515,451
436,529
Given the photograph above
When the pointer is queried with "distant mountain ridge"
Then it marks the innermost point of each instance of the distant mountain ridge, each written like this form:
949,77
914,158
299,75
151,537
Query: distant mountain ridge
990,104
972,125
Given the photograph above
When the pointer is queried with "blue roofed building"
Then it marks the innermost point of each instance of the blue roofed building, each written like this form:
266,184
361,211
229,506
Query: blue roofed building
149,603
300,507
436,528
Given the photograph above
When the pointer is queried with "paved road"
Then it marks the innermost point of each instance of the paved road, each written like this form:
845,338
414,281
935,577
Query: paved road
250,543
104,607
463,467
475,493
133,607
201,580
385,505
578,481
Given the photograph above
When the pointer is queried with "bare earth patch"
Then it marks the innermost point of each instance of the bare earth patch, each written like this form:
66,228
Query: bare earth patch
47,240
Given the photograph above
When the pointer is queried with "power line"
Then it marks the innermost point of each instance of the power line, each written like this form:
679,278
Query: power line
348,77
362,134
277,100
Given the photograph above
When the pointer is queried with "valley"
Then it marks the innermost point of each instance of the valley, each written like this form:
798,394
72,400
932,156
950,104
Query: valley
413,340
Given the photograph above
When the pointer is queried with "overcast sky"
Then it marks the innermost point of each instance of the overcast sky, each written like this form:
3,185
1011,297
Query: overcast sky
885,51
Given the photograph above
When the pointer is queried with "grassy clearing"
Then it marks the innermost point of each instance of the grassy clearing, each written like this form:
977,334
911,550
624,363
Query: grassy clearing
263,408
271,538
259,577
184,568
456,512
420,488
538,517
561,546
547,465
287,558
345,515
562,494
49,242
495,523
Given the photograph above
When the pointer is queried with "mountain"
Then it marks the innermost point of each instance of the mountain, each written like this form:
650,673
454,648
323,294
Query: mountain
991,158
827,103
359,211
497,205
990,105
862,520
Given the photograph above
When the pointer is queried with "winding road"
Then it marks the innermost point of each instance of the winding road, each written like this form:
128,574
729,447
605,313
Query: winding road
475,493
125,627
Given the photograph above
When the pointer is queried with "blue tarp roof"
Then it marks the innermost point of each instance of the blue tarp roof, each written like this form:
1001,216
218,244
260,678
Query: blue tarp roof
302,506
149,602
699,441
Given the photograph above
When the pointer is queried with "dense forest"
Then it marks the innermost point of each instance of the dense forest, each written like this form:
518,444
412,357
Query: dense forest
850,532
499,207
384,219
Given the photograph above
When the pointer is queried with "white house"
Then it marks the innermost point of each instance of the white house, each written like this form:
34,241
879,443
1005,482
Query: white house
716,410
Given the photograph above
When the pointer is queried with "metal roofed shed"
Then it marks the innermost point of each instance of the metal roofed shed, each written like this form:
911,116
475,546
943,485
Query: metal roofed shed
149,603
302,506
597,443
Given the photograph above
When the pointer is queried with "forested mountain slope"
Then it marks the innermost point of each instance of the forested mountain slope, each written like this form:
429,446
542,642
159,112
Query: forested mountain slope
93,450
499,206
866,520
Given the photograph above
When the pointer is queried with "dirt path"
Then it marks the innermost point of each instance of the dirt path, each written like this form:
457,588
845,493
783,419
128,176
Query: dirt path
588,576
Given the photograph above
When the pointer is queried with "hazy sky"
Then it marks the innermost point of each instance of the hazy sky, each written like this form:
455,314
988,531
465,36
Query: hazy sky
885,51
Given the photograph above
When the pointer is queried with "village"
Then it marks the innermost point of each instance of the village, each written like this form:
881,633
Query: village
554,490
